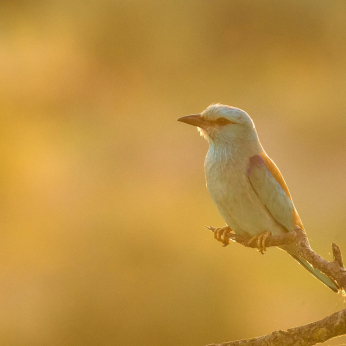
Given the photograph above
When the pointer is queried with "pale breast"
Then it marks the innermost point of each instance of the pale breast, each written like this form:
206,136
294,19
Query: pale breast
235,198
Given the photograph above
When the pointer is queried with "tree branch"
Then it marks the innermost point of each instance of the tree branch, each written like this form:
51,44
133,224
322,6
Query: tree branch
310,334
313,333
334,270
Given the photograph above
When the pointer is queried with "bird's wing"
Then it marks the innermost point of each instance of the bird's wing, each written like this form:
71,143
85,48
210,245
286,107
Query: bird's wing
269,185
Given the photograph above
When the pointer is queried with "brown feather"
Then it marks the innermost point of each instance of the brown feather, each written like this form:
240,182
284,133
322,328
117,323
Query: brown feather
274,170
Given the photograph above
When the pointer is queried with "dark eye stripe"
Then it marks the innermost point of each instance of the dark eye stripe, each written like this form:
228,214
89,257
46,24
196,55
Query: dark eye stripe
223,121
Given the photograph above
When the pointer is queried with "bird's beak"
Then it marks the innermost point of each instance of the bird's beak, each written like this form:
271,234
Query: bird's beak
194,119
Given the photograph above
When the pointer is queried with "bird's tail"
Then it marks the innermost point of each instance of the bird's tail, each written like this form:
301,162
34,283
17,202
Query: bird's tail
316,273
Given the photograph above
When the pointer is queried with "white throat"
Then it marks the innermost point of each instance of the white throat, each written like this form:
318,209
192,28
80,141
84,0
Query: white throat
234,146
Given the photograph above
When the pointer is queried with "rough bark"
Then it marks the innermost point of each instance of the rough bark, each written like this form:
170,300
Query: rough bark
310,334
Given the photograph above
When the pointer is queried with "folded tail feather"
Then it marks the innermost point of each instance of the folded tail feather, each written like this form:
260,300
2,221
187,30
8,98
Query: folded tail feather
316,273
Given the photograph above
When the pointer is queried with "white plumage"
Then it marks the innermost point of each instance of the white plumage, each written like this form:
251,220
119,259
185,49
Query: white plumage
244,183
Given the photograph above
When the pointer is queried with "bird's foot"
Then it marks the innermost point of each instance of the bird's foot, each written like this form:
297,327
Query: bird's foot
222,234
261,241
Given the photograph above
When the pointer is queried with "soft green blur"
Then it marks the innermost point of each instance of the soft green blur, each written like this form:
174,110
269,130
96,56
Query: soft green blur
103,198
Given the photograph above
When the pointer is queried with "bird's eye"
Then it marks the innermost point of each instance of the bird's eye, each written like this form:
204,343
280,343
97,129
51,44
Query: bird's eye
223,122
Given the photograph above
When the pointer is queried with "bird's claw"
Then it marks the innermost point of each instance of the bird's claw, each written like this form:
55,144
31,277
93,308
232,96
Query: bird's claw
222,234
261,241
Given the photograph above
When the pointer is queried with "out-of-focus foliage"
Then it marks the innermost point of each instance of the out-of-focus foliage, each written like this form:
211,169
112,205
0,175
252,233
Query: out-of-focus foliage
103,199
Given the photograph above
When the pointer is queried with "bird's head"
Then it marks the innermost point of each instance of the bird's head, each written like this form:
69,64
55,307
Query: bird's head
220,123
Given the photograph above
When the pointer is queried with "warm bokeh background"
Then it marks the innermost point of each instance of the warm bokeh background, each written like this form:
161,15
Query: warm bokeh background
103,198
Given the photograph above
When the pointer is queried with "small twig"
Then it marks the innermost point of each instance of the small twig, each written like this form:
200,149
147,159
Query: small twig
337,254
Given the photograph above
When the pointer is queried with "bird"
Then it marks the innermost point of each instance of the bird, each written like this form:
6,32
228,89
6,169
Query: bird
245,185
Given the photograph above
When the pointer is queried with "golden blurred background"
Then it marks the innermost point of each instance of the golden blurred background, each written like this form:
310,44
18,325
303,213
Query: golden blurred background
103,193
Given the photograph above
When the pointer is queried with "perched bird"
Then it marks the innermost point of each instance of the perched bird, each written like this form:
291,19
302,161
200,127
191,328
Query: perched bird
244,183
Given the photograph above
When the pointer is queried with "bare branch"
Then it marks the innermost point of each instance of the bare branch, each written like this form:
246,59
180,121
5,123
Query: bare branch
334,270
310,334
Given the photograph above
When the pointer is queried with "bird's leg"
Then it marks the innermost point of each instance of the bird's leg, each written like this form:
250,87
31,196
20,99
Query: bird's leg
261,241
221,234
